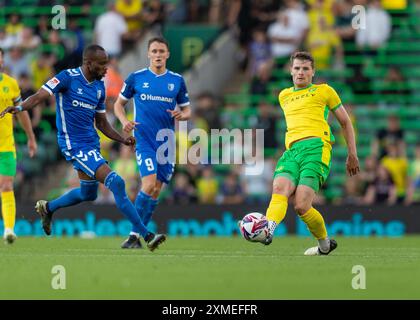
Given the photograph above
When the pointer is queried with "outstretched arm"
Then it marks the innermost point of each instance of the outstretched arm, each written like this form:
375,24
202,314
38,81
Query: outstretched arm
352,162
29,103
105,127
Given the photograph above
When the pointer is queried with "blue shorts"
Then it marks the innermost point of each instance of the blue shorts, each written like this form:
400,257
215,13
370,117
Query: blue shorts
87,159
148,164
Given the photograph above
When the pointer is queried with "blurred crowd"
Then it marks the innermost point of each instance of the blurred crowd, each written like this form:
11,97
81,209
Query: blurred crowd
388,176
268,32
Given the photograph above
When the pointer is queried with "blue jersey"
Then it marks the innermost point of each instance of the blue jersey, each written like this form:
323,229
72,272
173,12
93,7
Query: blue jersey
153,95
77,101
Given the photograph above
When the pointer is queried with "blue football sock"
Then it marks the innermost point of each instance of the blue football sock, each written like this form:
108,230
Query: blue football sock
88,191
149,212
117,186
142,201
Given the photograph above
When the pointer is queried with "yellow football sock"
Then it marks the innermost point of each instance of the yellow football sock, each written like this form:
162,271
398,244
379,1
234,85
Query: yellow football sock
8,209
315,223
277,209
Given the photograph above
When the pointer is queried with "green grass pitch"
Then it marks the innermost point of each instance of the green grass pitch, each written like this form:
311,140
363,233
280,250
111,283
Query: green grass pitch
210,268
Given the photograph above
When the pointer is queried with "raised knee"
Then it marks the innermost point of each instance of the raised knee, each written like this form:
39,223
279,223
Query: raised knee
148,188
6,186
91,196
90,192
301,208
280,189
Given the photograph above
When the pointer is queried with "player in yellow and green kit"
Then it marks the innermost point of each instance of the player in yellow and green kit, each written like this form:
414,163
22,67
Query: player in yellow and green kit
305,164
9,96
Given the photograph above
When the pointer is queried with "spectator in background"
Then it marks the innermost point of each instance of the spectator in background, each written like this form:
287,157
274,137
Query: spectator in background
131,10
264,12
14,26
397,166
257,185
259,51
57,48
207,186
76,44
207,109
154,15
43,28
26,90
113,81
239,16
183,192
41,69
392,134
287,33
353,194
266,119
16,62
27,40
413,192
177,11
84,5
322,42
110,29
256,176
6,41
231,191
378,28
382,190
320,9
368,174
343,23
259,84
394,83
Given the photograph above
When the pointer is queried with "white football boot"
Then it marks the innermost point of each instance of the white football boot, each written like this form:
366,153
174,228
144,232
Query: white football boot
316,251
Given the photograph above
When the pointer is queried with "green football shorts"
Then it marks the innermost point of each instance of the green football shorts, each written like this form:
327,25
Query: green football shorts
7,164
307,162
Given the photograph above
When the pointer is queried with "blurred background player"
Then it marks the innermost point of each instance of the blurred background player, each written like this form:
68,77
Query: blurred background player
10,95
305,164
156,92
80,95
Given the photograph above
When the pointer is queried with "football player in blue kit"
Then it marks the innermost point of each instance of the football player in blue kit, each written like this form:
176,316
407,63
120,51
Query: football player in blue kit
156,92
80,97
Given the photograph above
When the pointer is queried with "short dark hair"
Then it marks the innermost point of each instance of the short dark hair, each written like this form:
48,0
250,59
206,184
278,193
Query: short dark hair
302,55
91,49
158,39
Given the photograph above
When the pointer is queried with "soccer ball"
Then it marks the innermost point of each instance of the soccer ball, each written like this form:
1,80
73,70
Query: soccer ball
254,227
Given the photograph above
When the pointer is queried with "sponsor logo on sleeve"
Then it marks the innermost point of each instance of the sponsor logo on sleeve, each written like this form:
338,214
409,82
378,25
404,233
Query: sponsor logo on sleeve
52,83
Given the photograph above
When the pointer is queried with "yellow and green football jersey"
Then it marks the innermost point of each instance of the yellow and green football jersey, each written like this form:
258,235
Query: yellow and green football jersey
9,95
306,112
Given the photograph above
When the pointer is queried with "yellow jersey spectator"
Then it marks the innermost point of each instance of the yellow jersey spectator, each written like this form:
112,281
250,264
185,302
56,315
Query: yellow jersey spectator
131,11
207,186
397,165
322,42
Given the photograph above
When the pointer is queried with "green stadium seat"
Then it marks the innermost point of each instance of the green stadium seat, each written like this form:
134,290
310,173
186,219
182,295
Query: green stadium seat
410,124
412,138
337,180
333,193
